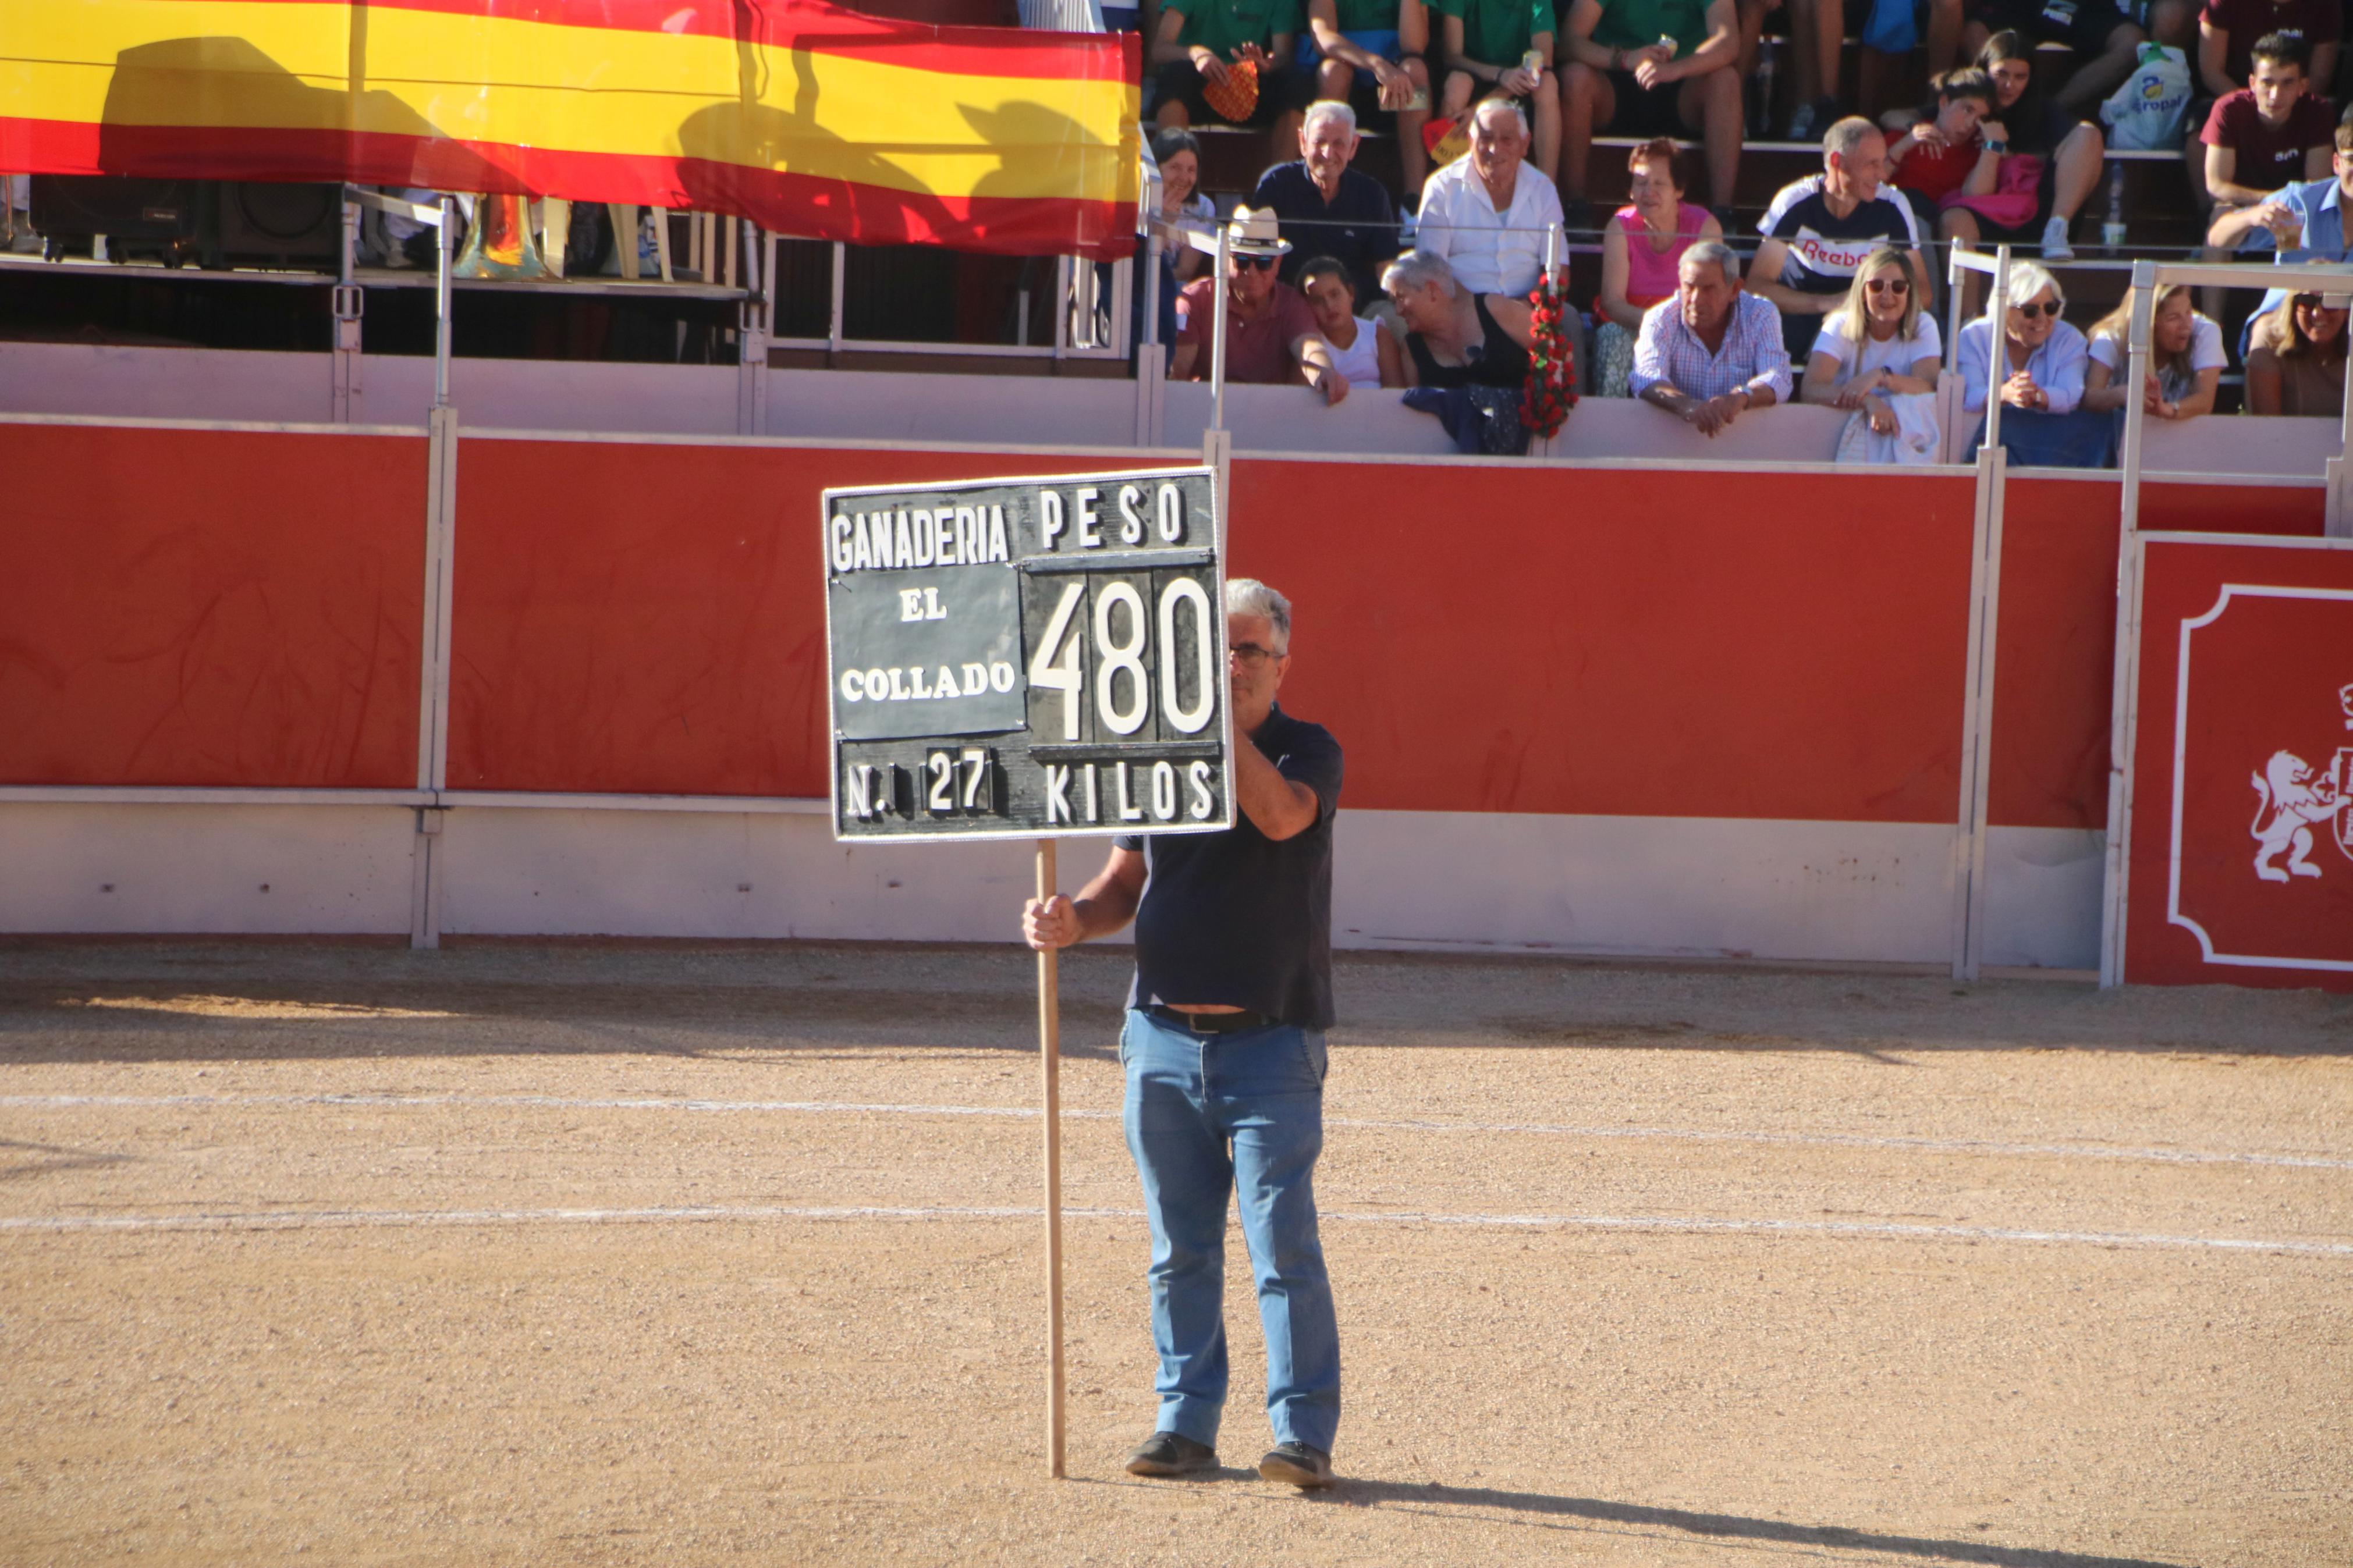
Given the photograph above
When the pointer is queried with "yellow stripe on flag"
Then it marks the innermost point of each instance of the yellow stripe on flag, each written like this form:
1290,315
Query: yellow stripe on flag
289,65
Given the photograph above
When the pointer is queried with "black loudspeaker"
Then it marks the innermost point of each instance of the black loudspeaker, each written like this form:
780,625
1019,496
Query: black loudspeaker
271,223
156,217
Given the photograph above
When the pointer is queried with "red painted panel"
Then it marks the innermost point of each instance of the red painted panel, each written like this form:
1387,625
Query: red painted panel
1703,644
649,619
2263,750
208,607
2054,656
2299,511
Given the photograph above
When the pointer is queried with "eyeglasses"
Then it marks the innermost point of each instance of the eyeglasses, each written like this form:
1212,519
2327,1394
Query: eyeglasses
1888,286
1251,653
2031,311
1261,262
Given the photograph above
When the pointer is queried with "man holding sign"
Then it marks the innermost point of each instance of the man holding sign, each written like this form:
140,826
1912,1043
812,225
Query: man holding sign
1225,1058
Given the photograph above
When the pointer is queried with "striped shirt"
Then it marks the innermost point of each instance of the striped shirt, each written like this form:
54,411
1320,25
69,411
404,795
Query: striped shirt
1668,353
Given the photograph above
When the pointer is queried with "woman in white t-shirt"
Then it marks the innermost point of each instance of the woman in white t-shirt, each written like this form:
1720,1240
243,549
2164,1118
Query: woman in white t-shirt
1879,344
2186,353
1369,357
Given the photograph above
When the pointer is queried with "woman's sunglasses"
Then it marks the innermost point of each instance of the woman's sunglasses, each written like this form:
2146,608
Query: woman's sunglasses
2031,311
1888,286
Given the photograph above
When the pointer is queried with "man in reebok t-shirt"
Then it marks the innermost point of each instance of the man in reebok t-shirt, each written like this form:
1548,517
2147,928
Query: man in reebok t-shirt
1819,229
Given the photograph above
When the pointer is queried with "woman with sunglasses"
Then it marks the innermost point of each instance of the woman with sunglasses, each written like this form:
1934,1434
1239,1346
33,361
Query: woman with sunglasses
2186,358
2042,358
2295,361
1878,344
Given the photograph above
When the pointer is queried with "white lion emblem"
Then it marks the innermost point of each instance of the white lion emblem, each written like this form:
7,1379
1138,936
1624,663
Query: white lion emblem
2294,802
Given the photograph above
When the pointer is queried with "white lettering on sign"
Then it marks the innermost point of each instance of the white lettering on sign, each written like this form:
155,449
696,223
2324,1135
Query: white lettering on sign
1199,776
1127,813
1131,524
1121,657
1172,513
1164,791
1094,805
920,604
951,536
1058,793
918,683
1090,525
1050,518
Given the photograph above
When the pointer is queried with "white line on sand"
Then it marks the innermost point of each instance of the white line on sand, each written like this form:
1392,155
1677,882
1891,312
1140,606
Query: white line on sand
300,1219
837,1107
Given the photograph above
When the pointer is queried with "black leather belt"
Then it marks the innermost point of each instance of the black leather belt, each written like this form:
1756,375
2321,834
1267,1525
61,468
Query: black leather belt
1211,1023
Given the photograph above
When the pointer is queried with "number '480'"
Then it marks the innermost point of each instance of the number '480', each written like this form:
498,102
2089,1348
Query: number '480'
1122,689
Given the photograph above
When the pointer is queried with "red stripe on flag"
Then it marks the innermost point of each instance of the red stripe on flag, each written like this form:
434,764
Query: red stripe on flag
798,204
818,27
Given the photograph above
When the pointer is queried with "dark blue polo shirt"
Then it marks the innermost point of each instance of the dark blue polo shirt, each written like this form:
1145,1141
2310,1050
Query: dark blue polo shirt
1235,917
1358,228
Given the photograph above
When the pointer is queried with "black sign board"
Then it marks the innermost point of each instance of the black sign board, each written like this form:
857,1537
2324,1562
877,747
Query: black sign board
1027,658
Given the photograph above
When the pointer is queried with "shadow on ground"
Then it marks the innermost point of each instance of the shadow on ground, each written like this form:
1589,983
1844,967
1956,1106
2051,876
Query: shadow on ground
85,1000
1729,1527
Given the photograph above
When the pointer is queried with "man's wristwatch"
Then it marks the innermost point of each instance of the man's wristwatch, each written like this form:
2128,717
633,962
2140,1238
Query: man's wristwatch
1997,147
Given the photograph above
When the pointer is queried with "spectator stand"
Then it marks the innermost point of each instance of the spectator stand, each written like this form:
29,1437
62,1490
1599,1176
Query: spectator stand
2124,717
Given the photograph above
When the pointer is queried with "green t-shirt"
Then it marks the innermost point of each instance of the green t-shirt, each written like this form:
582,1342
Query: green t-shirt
1361,16
1497,32
1638,24
1225,26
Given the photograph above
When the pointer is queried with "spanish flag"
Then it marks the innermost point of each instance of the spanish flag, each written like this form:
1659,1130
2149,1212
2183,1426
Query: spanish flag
806,118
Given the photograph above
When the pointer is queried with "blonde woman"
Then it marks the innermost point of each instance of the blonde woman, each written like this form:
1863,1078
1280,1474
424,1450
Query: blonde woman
1879,344
2185,349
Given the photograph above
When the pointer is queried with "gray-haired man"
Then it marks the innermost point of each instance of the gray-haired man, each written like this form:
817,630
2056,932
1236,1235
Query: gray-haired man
1224,1052
1323,207
1819,229
1712,353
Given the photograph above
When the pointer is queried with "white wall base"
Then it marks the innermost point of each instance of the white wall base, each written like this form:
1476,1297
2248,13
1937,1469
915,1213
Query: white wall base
2042,896
1633,886
208,869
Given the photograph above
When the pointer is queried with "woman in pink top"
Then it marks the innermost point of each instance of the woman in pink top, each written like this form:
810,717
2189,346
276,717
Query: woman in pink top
1641,246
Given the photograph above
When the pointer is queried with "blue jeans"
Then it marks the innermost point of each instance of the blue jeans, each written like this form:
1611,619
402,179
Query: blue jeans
1209,1114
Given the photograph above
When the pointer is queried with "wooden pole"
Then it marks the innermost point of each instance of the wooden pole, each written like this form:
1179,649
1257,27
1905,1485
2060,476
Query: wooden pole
1050,1077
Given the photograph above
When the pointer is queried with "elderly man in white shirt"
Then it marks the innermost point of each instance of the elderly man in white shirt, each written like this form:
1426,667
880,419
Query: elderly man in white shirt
1487,212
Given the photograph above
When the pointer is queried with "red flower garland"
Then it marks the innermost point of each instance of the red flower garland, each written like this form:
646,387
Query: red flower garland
1551,389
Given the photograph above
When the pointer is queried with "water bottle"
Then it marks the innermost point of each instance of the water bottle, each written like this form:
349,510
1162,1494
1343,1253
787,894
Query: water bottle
2112,233
1760,113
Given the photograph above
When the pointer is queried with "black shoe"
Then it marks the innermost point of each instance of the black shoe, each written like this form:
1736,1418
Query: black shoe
1297,1463
1170,1454
1727,220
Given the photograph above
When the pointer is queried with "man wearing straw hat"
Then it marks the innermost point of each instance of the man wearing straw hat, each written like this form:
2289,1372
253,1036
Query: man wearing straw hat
1224,1056
1271,335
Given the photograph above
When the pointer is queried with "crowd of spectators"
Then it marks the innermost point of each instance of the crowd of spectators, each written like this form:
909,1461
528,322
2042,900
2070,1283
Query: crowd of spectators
1830,298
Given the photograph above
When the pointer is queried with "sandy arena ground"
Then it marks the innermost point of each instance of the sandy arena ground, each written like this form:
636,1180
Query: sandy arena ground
695,1255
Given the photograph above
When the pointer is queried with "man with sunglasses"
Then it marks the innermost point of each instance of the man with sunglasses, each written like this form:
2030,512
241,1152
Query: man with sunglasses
1272,338
1224,1054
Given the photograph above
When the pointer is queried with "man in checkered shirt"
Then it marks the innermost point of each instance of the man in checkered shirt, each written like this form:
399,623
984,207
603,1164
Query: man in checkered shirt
1713,352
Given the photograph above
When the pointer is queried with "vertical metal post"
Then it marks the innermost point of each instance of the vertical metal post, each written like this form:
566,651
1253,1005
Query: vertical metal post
1062,305
2123,708
840,268
433,675
2137,356
1996,344
441,308
344,371
1049,1079
1223,288
1152,290
2338,523
751,331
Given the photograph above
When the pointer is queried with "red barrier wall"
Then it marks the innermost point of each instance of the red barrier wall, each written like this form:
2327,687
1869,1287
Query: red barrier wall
649,619
2268,635
1613,641
2300,510
210,607
2054,655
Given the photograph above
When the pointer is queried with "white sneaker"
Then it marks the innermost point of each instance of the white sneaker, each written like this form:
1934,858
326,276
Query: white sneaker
2054,241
